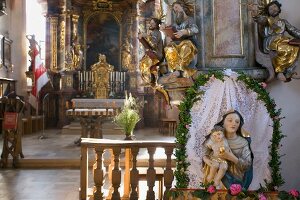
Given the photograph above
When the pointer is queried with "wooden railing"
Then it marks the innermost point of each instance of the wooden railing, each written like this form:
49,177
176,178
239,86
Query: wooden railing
131,177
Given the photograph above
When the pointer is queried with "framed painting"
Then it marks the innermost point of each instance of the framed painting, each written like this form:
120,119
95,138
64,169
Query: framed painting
7,52
103,36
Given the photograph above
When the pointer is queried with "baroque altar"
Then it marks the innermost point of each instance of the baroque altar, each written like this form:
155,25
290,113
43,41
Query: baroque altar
78,31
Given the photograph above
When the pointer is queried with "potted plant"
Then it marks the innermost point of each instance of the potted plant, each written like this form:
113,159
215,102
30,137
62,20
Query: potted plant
128,117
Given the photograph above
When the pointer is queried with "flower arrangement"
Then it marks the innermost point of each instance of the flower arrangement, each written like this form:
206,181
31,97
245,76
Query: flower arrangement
129,116
234,192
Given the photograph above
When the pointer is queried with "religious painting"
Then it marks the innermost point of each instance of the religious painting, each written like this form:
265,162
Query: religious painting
7,52
103,36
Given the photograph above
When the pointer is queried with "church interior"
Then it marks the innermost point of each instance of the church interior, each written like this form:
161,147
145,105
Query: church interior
122,99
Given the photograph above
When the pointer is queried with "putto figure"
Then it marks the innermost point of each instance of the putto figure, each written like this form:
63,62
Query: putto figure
282,50
216,145
181,50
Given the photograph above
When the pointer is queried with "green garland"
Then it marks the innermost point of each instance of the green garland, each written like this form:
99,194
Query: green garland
185,119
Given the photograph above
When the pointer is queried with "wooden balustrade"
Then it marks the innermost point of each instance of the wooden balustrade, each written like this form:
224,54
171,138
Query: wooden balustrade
131,175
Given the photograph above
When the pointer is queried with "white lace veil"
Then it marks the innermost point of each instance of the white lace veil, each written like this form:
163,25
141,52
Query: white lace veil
218,98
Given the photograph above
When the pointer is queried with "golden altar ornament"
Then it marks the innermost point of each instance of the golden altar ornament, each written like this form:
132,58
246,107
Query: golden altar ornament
100,77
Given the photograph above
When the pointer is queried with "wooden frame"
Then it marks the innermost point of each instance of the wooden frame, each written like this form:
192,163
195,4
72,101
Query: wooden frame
7,52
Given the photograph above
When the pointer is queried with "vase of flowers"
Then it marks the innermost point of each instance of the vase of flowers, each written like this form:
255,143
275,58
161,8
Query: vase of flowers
128,117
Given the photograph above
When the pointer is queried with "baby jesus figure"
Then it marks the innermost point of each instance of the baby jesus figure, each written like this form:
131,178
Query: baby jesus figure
215,146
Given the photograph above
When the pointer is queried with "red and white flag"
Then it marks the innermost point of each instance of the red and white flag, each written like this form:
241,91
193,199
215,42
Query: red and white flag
40,79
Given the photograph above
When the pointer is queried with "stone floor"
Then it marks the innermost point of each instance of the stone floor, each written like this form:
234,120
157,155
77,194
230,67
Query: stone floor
55,184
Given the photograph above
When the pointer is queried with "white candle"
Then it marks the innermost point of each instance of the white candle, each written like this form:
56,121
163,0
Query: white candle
60,83
79,76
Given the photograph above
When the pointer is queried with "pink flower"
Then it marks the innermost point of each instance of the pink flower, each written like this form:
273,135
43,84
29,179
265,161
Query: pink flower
261,196
235,189
294,193
211,189
187,126
263,84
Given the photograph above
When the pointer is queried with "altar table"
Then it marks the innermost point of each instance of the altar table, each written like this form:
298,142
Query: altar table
92,112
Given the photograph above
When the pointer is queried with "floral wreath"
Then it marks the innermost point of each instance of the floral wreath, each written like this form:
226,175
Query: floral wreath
185,119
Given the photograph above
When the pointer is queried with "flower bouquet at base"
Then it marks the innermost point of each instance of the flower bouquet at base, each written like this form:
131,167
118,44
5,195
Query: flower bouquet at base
128,117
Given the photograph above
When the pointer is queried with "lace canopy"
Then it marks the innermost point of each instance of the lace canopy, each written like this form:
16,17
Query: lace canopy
219,97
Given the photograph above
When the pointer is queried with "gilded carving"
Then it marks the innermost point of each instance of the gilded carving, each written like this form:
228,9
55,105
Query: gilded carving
102,5
100,77
62,34
53,43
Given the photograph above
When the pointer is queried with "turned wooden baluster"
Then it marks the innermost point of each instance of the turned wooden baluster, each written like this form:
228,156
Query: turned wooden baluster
116,174
110,169
98,174
83,172
134,174
126,181
168,173
151,174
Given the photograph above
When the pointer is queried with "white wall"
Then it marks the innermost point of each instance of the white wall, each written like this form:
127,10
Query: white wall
287,97
4,31
12,26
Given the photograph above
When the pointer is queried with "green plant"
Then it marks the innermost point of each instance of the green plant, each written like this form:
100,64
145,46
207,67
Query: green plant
129,115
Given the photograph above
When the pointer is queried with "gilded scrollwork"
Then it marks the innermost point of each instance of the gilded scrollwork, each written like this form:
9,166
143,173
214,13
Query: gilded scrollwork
53,43
100,77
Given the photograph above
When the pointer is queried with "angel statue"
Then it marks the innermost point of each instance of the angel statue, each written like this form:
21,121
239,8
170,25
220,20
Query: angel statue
126,55
34,50
283,50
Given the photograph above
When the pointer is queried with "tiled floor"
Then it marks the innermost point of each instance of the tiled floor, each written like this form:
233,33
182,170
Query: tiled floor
56,184
23,184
